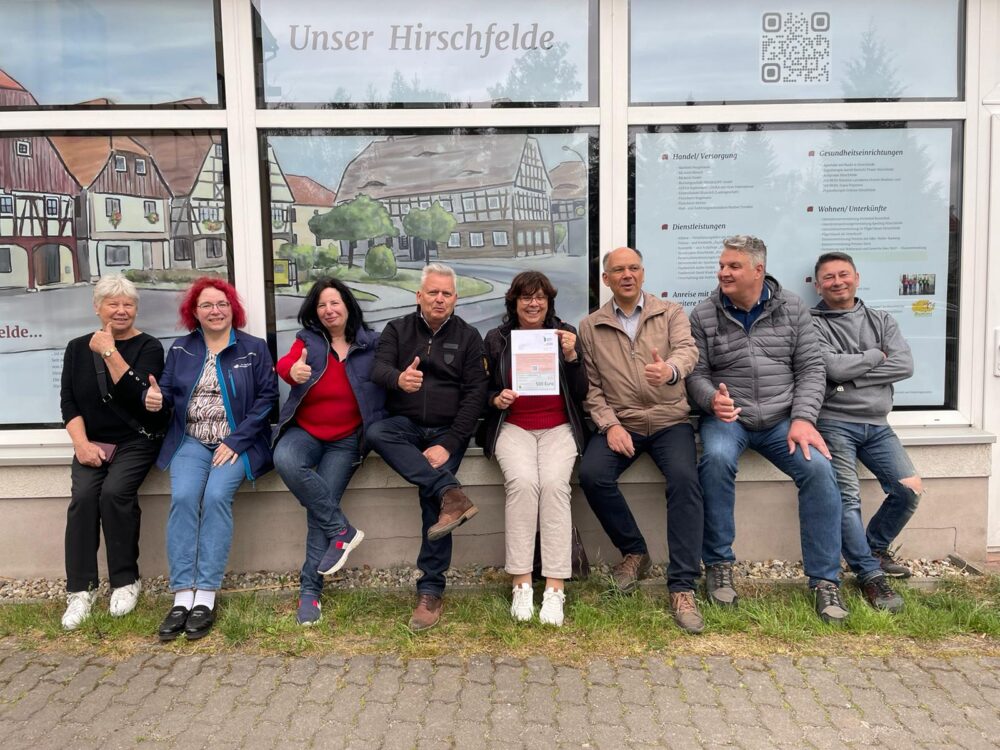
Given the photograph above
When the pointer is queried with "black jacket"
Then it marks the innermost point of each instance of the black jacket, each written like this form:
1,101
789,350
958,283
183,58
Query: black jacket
572,385
454,367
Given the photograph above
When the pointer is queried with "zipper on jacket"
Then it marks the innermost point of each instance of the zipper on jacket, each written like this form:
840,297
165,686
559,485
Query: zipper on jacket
281,425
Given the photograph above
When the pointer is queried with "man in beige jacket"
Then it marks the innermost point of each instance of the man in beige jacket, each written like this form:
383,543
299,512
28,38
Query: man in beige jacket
638,349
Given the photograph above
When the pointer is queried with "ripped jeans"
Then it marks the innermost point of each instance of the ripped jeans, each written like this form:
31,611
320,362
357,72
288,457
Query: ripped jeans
879,449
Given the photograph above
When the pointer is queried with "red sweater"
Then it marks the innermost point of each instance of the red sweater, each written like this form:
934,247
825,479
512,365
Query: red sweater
329,410
538,412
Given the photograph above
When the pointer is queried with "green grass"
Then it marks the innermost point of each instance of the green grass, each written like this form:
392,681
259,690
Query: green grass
960,616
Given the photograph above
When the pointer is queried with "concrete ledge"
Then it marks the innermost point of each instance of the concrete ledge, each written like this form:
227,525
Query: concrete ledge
270,524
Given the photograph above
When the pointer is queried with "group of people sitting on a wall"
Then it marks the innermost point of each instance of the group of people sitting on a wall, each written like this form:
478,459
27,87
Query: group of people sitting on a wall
809,390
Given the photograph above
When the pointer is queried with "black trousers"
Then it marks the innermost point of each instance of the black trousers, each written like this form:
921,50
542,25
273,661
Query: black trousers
107,497
673,451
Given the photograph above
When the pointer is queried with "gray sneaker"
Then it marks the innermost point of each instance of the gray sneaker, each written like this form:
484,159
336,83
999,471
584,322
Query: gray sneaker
719,585
685,611
829,606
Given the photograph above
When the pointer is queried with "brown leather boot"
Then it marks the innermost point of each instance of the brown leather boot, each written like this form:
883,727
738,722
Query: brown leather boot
627,574
456,509
427,612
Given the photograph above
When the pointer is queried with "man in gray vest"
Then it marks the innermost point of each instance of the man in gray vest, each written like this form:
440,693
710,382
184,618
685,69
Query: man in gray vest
759,382
865,354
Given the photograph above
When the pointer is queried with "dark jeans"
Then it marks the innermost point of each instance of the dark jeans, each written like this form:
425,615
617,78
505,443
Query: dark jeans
673,451
107,497
401,442
317,473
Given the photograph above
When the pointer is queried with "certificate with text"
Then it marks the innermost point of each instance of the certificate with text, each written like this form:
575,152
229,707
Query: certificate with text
534,357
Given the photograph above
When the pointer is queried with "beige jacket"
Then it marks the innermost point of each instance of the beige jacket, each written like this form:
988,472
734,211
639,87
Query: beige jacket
619,393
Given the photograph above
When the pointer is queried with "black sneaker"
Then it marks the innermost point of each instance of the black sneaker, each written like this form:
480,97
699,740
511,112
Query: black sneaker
889,565
829,606
880,595
719,585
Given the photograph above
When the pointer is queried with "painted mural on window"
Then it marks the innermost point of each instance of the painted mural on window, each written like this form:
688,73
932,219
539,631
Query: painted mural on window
105,53
74,208
374,209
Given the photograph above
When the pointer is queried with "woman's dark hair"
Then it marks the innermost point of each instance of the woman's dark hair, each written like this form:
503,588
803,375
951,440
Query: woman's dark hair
308,317
526,284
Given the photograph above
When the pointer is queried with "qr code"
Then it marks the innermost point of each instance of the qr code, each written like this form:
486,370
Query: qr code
795,47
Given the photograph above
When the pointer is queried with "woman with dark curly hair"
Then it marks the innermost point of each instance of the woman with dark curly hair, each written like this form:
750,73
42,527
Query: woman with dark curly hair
319,440
536,440
221,384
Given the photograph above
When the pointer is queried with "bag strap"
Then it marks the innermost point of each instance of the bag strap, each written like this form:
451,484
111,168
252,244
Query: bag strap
107,398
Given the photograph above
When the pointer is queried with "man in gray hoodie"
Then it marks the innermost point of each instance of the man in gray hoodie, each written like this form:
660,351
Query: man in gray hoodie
864,354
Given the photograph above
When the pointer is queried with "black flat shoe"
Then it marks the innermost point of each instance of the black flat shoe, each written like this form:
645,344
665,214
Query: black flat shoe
173,624
199,622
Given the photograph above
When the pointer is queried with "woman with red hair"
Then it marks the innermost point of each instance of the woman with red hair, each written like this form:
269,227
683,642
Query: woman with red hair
221,384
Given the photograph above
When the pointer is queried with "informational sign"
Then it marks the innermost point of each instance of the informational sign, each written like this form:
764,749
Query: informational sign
534,362
881,195
759,50
446,52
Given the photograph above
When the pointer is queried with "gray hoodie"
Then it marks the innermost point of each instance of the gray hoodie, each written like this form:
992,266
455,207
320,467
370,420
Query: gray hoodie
864,354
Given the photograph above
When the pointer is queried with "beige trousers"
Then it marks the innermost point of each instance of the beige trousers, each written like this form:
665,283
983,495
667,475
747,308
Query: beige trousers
536,466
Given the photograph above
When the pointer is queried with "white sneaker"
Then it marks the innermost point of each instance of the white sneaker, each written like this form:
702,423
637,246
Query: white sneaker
77,609
124,598
522,608
552,607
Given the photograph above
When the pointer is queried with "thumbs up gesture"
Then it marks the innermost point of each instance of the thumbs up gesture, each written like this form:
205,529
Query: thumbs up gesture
723,406
300,372
154,398
411,378
658,372
102,340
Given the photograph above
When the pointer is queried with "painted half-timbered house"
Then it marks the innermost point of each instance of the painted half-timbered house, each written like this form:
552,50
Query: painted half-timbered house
569,206
124,202
311,199
38,243
496,187
282,208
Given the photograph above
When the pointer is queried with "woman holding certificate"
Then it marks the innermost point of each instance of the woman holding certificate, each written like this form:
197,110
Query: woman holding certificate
536,433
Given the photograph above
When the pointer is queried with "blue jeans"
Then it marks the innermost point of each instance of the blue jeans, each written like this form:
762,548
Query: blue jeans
200,524
317,473
401,442
674,453
819,497
880,451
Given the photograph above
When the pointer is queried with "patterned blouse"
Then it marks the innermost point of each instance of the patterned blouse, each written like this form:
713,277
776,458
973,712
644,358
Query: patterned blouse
206,414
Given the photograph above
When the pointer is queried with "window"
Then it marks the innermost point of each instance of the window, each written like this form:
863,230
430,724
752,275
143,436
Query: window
116,255
214,248
493,201
218,151
182,248
475,239
468,204
425,204
499,239
6,205
5,266
446,204
51,207
112,206
120,164
22,148
140,166
148,207
455,239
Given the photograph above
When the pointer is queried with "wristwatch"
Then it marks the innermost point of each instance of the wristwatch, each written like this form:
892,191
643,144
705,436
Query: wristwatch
108,353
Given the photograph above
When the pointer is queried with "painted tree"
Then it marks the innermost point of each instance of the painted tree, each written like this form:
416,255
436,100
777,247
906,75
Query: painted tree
429,226
359,219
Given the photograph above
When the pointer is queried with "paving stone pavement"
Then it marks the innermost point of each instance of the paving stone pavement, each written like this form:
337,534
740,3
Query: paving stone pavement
164,700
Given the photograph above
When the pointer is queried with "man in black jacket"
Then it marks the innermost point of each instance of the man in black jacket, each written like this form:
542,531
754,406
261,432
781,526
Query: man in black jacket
432,365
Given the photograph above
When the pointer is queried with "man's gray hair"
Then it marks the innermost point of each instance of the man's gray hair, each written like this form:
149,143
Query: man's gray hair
438,269
607,256
752,246
114,286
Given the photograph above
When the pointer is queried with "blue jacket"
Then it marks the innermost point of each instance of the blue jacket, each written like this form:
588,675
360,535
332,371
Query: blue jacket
358,364
249,392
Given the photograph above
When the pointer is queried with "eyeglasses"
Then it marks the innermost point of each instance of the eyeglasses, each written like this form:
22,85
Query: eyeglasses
220,306
527,299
